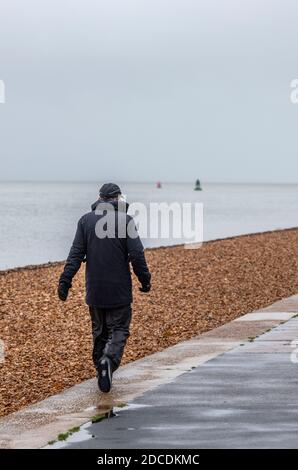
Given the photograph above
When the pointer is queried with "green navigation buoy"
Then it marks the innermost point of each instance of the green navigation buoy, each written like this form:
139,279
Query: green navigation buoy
198,186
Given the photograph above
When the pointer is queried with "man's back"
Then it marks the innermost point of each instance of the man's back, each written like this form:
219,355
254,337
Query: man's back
103,240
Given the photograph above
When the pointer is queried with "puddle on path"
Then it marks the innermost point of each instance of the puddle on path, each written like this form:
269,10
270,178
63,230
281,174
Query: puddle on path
85,431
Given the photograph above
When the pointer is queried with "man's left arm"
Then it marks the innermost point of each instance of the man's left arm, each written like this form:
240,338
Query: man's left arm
74,260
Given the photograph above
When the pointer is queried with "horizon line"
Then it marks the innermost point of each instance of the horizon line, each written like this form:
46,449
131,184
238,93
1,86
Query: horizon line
293,183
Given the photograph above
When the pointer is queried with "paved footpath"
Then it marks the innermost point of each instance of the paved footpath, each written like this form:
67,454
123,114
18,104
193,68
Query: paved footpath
233,387
244,398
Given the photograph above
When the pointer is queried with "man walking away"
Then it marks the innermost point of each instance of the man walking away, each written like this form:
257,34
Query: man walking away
107,239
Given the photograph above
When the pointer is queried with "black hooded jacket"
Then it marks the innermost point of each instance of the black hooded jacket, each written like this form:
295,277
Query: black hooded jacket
108,276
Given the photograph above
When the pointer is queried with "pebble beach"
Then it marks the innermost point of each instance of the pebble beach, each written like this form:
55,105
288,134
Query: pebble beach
48,343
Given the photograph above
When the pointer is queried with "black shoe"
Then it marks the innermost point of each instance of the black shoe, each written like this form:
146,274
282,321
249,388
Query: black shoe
104,375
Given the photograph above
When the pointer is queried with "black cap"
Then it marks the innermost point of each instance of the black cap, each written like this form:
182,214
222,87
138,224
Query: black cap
109,190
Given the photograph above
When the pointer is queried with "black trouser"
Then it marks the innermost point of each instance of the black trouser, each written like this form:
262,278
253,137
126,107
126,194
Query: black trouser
110,330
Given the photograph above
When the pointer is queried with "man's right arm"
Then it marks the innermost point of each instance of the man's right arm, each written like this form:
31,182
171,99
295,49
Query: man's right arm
137,257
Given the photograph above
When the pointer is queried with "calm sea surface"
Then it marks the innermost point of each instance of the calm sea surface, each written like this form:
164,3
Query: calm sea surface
38,220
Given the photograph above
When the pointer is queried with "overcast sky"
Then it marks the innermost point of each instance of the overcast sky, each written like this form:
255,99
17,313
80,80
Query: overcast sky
149,89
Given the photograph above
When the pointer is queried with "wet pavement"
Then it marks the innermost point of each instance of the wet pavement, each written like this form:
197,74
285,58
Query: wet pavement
244,398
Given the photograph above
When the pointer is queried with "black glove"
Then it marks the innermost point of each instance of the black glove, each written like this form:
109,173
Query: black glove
145,288
63,289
